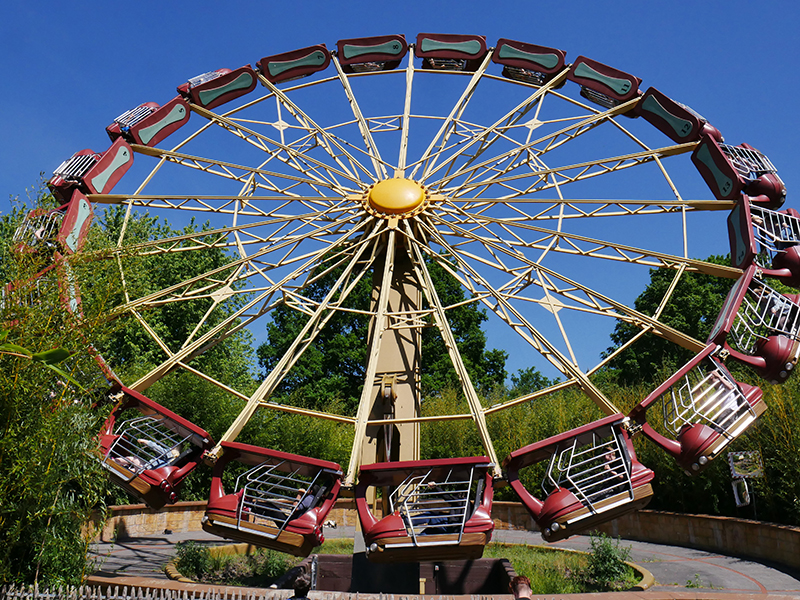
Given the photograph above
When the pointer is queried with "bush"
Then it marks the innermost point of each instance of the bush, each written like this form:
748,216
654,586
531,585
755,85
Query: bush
607,568
258,569
51,482
193,560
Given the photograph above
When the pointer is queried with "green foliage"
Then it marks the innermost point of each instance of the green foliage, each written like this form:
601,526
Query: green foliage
258,569
694,582
692,309
131,349
527,381
486,368
192,559
333,367
606,568
550,571
50,479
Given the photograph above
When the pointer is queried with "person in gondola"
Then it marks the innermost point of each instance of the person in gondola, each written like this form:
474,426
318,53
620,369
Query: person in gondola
280,510
162,457
778,312
721,404
446,516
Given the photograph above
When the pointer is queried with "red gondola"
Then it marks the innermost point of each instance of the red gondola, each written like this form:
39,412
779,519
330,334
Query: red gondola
149,123
768,238
215,88
280,502
675,120
593,476
528,62
90,172
451,52
438,509
62,229
57,278
704,410
149,454
731,170
294,64
604,85
760,327
379,53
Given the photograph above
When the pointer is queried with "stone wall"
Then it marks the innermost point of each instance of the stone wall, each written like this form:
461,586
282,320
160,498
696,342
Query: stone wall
779,544
135,520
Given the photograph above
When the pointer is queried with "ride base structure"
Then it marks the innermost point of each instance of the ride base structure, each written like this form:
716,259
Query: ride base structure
496,194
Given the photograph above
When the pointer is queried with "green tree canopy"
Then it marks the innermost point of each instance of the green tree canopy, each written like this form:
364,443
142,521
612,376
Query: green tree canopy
692,309
333,367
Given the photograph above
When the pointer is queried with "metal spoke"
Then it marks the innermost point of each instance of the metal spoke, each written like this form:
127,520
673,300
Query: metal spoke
311,165
229,170
440,318
379,326
551,208
580,245
427,161
585,170
343,285
229,325
401,160
499,127
326,140
375,156
553,140
615,309
503,308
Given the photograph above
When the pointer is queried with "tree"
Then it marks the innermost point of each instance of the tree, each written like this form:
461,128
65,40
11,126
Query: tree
530,380
334,365
129,347
692,309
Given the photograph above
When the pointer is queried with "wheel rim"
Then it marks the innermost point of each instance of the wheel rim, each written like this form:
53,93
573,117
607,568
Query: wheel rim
501,206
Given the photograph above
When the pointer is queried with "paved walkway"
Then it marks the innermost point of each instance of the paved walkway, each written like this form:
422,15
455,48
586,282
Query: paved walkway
676,570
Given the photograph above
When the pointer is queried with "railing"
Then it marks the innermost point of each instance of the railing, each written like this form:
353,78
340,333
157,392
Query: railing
763,312
274,495
592,469
706,395
145,443
429,507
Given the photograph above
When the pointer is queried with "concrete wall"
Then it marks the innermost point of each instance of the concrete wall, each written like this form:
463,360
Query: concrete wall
779,544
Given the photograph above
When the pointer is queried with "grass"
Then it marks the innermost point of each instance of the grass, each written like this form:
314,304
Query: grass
336,546
550,571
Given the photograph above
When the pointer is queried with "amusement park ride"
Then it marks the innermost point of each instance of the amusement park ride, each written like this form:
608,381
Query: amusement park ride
499,186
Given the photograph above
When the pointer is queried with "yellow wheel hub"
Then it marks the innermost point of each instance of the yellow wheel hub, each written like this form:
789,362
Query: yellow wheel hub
396,196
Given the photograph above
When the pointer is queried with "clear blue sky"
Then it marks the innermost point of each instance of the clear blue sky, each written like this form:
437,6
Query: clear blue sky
70,68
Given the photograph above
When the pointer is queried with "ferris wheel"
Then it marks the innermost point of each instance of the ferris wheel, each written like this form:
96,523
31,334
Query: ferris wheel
541,186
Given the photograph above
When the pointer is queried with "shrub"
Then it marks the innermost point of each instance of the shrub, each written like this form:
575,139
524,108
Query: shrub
607,568
258,569
193,560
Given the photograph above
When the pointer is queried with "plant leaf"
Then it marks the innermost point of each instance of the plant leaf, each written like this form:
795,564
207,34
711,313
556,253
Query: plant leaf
16,349
65,375
51,357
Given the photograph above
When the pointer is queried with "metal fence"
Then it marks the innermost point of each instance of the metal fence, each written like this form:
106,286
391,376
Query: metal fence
137,593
